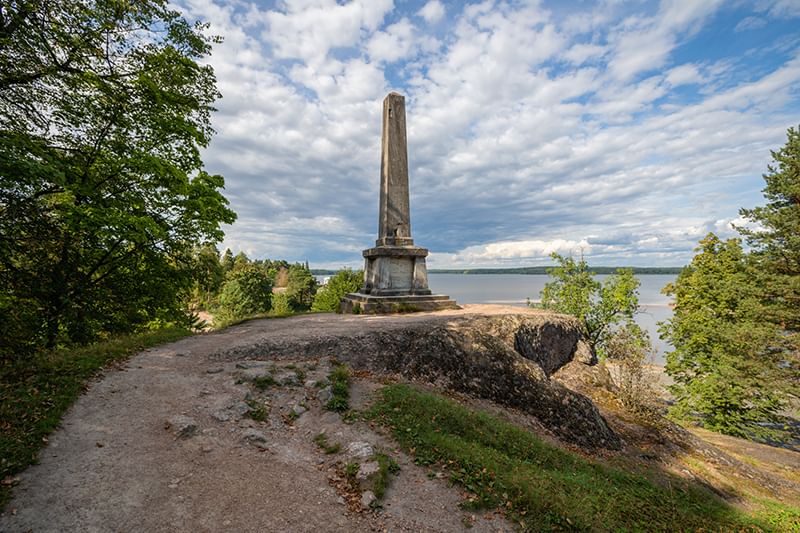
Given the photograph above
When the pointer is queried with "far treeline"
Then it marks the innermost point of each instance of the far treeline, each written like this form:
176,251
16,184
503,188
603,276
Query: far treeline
537,270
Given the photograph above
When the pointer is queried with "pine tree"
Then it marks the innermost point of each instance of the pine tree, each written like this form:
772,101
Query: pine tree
776,241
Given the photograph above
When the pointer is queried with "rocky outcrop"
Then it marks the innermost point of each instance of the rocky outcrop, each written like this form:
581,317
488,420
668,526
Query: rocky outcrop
504,358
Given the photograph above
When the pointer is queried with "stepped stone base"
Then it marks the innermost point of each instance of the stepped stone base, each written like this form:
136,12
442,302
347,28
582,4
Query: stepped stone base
357,302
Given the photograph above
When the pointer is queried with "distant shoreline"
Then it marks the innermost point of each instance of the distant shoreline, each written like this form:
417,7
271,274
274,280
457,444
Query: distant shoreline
537,270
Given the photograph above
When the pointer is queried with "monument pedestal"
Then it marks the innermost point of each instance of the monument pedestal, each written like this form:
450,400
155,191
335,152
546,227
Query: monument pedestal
395,280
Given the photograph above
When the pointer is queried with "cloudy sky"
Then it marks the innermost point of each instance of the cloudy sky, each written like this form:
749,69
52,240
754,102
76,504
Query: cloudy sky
625,129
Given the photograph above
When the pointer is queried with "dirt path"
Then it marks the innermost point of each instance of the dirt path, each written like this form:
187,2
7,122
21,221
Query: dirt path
165,444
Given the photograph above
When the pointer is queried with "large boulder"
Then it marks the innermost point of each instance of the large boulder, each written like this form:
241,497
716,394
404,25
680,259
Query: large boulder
506,358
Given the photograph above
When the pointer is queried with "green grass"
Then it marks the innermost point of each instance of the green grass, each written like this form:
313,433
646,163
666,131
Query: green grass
263,382
258,411
321,440
386,467
544,488
35,393
340,389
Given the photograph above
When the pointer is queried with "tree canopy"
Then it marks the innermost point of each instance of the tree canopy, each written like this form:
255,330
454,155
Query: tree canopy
104,108
725,364
600,307
737,314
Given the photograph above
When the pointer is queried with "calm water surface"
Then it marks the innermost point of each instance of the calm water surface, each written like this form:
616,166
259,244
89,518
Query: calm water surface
515,289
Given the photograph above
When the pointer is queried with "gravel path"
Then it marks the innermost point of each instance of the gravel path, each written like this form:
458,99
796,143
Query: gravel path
165,444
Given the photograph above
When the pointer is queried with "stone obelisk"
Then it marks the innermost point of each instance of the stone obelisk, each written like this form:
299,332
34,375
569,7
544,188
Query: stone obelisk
395,275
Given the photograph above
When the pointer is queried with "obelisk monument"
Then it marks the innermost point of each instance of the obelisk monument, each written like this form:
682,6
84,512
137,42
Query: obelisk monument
395,275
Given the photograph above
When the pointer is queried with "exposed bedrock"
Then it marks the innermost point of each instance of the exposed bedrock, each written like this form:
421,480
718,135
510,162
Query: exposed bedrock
504,358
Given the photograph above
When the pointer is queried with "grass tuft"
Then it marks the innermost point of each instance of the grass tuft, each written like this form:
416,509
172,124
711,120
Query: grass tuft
340,389
35,392
258,411
542,487
387,467
264,382
321,440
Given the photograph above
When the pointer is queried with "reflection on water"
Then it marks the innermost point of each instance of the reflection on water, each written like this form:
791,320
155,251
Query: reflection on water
515,289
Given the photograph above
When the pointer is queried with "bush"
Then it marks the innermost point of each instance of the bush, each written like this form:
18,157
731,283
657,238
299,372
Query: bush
280,305
247,291
629,347
343,282
300,288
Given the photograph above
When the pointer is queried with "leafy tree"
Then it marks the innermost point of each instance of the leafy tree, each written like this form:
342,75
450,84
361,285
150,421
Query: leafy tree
227,261
300,287
727,362
329,295
599,306
103,111
207,273
246,291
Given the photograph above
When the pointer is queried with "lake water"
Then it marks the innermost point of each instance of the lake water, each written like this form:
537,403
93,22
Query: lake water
515,289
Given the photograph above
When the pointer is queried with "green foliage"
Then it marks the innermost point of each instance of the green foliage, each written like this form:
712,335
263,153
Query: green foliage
726,363
386,468
280,305
599,306
321,440
629,347
37,391
775,257
264,382
207,275
541,487
104,108
300,288
246,291
343,282
340,389
258,411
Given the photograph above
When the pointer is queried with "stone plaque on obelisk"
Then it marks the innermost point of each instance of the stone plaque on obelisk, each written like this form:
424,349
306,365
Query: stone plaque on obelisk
395,275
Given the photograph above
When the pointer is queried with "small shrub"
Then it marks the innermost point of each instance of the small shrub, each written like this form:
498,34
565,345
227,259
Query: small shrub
264,382
258,411
629,347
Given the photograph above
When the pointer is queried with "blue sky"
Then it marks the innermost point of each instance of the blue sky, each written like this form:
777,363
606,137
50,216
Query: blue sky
625,130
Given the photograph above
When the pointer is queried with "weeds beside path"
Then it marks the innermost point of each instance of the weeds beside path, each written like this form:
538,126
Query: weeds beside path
36,392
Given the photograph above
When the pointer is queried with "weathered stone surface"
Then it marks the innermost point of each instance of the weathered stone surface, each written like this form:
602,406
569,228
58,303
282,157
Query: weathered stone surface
359,450
252,373
324,395
394,219
365,470
370,304
504,358
549,345
254,435
182,426
367,499
287,378
584,353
